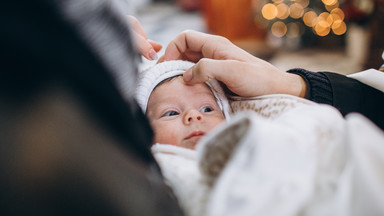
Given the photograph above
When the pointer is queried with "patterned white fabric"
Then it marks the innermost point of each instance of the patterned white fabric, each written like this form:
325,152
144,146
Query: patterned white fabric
268,106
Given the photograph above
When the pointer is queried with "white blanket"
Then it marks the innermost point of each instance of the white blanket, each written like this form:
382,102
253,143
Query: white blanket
306,160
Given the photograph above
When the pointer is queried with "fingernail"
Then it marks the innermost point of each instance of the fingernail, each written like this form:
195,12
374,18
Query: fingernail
187,75
153,55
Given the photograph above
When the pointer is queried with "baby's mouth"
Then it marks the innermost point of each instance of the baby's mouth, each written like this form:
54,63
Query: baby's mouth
195,134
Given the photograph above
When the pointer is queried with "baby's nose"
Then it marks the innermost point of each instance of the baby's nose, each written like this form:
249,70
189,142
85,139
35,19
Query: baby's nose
192,115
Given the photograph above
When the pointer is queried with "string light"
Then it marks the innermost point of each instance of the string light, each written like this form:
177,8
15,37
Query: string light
278,12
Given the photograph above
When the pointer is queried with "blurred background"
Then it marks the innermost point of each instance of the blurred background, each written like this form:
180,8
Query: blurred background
343,36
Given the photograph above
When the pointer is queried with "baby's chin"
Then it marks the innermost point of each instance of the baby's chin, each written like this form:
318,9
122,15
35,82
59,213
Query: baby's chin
191,142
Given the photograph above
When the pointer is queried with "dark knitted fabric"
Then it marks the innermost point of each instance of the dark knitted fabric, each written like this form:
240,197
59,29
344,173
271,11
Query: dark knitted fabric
346,94
319,88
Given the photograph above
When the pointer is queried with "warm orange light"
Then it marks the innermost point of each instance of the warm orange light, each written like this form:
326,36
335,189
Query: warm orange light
282,11
309,18
337,24
278,1
329,2
339,12
296,11
279,29
339,27
295,29
336,17
331,7
269,11
322,24
325,17
303,3
322,28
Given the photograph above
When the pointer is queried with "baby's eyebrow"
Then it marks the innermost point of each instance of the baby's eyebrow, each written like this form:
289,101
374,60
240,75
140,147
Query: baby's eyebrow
161,105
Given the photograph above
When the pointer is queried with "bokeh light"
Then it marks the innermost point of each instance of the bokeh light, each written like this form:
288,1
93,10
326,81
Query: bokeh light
339,27
269,11
279,29
282,11
329,2
330,18
338,12
331,7
325,16
296,11
294,29
278,1
303,3
322,28
309,18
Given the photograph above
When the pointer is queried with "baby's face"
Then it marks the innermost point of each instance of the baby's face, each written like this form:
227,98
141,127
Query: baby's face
181,114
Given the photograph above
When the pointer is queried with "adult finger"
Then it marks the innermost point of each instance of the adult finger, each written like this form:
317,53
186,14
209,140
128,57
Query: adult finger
144,47
136,26
193,41
188,56
209,46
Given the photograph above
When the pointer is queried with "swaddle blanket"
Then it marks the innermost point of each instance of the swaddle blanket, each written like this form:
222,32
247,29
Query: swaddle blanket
279,155
305,160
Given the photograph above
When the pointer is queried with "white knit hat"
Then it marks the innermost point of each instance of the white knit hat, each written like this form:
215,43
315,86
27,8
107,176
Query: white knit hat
151,77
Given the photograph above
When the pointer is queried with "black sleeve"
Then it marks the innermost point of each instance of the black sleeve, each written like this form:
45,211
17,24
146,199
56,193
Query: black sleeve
346,94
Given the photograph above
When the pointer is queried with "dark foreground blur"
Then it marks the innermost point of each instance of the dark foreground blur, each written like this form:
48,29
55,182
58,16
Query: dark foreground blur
71,142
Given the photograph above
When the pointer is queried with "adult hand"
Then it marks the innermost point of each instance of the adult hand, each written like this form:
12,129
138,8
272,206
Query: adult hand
216,57
144,46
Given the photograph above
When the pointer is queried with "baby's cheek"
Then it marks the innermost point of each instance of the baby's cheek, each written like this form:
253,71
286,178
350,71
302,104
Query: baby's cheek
173,138
214,122
166,135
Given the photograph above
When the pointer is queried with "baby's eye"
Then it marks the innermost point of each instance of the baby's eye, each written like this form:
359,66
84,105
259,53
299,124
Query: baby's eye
171,113
206,109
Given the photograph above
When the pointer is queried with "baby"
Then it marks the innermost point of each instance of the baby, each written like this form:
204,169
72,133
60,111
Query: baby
180,114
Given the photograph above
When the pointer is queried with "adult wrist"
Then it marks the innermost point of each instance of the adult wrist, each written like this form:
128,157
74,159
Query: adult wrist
296,85
319,88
